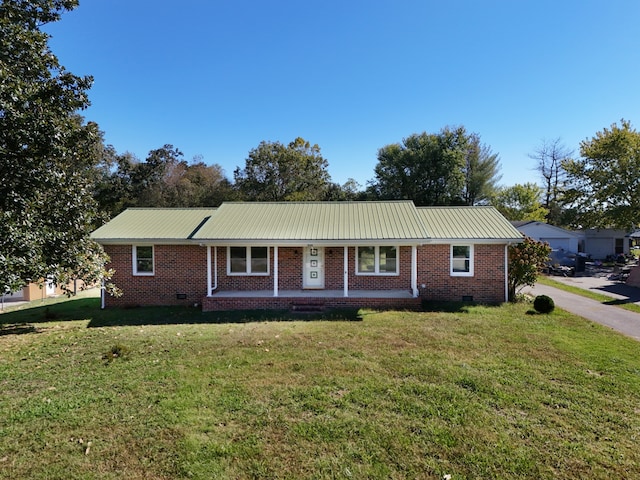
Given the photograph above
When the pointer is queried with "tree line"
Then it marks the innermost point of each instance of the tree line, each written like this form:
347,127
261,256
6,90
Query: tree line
450,167
59,180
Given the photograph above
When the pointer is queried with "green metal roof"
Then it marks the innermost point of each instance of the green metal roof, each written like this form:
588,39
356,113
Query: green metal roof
308,222
467,223
314,222
150,224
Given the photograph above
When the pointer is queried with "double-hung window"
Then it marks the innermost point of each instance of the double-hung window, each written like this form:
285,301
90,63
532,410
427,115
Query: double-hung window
248,261
462,260
143,260
377,260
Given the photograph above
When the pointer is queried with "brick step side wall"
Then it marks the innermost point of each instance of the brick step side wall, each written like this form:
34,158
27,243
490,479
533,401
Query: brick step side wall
213,304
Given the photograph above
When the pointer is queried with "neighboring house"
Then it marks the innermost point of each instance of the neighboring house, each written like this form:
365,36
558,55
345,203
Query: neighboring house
35,291
557,238
296,254
605,242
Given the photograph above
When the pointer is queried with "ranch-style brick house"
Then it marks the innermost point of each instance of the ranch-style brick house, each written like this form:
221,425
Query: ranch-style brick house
384,254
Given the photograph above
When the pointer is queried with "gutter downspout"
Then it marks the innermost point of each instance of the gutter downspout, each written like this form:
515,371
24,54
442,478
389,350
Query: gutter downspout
102,299
345,280
414,271
506,272
208,270
275,271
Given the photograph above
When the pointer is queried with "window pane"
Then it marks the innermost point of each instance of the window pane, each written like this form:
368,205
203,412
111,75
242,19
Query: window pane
144,259
461,258
388,260
366,259
259,262
238,257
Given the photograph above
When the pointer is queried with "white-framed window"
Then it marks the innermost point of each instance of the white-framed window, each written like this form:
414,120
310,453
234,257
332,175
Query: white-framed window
377,260
143,261
248,260
462,260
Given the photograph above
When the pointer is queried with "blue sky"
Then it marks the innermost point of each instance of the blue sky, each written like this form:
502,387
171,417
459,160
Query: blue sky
215,78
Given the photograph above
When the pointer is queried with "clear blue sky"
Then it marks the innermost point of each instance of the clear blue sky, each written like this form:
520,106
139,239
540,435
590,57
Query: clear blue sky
215,78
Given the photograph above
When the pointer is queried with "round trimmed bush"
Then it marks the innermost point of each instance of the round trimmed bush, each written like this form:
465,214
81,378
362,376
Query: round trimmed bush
543,304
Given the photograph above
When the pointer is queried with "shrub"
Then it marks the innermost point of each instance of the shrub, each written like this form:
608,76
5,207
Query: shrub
526,260
543,304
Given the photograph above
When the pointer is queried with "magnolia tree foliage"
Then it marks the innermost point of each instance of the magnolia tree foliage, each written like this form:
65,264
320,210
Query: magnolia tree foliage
526,260
46,153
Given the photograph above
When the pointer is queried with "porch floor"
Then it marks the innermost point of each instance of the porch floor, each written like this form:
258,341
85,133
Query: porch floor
313,294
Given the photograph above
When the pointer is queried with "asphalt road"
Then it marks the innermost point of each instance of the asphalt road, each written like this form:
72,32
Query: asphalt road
619,319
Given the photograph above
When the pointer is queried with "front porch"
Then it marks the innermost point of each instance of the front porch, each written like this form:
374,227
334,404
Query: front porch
289,299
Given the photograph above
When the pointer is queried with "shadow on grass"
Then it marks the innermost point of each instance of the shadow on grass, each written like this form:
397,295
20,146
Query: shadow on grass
88,309
16,329
190,315
453,307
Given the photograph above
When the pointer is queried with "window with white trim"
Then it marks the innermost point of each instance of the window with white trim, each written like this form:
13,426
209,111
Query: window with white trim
143,260
462,260
248,260
377,260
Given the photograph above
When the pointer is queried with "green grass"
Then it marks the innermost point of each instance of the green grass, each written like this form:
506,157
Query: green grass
473,392
605,299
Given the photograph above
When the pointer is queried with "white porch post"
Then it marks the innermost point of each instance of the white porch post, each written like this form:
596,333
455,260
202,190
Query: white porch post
346,272
209,270
414,270
275,271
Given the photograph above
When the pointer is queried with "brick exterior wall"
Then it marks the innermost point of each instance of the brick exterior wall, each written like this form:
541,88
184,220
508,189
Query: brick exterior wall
182,269
179,269
487,284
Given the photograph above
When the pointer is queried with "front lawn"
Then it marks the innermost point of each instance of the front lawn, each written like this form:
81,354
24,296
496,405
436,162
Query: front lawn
159,393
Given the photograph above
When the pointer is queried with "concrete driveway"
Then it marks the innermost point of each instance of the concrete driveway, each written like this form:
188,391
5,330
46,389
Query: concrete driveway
623,321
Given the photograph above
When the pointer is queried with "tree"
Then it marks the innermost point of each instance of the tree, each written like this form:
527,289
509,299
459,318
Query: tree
550,156
447,168
481,172
526,259
348,191
47,154
164,179
604,184
114,189
196,185
520,202
275,172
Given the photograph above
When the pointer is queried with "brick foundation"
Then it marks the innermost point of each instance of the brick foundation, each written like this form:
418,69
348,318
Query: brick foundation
211,304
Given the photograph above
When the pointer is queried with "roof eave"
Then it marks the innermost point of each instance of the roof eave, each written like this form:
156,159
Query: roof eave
479,241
